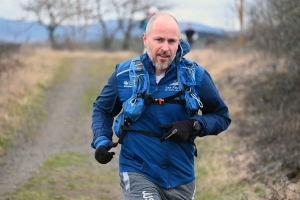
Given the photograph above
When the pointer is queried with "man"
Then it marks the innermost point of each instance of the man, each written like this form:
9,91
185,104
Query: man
157,154
190,34
151,11
143,25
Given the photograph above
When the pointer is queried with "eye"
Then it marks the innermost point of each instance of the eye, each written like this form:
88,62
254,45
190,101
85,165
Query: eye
172,41
158,39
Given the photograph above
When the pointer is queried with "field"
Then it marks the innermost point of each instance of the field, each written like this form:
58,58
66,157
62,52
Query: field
45,133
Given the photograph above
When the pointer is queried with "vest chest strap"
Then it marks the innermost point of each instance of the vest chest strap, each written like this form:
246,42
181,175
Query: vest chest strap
171,99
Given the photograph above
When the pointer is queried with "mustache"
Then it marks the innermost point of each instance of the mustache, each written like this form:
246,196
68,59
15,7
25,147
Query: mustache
165,53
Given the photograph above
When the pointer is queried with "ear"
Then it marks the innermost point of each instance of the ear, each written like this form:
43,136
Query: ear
145,39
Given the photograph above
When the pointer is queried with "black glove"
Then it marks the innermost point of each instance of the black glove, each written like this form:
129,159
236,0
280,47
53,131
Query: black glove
179,132
102,155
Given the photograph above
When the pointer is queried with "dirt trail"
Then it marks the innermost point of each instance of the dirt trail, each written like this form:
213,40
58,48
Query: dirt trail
64,130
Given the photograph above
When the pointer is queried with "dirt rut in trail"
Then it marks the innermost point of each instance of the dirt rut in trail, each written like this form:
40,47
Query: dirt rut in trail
64,130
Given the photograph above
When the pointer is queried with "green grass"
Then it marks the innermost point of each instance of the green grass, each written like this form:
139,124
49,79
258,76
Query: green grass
62,160
64,69
69,176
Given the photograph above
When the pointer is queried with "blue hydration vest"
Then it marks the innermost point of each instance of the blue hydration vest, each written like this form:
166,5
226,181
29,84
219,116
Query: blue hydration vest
136,104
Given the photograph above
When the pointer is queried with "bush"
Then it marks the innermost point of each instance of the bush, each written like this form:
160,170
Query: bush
8,49
275,27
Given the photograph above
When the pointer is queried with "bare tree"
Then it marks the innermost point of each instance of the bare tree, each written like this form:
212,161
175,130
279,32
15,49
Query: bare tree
102,9
51,14
274,29
78,24
274,26
240,8
126,12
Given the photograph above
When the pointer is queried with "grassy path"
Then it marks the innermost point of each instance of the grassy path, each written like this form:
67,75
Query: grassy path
58,163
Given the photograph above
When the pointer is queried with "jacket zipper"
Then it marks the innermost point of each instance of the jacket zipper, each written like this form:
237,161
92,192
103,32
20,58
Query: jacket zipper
167,152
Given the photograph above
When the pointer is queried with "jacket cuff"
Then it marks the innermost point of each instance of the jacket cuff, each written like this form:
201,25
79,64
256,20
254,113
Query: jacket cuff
201,133
101,141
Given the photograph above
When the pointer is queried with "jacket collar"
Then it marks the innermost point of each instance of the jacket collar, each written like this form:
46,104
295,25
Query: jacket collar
183,49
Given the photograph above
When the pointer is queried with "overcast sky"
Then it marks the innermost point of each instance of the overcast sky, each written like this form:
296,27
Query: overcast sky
216,13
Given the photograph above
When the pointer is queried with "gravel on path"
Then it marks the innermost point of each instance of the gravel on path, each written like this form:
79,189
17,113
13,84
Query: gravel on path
64,130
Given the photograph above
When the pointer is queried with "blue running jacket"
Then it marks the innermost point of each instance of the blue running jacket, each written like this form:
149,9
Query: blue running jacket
168,164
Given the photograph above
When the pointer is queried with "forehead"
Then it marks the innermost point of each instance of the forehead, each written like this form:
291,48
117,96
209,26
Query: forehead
165,27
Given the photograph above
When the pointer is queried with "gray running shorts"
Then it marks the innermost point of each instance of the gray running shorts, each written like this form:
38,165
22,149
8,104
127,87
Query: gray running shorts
137,187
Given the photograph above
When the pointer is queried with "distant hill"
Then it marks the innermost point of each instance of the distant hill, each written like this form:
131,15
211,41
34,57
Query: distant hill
21,31
25,31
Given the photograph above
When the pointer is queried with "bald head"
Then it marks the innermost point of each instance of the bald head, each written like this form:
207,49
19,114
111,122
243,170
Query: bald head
161,18
162,40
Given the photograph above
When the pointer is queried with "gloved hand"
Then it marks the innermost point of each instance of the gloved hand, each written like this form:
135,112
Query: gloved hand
179,132
102,155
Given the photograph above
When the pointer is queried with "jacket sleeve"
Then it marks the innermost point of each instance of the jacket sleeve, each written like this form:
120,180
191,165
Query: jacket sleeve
105,108
215,115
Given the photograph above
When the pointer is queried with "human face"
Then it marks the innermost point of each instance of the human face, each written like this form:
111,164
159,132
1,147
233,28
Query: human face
162,42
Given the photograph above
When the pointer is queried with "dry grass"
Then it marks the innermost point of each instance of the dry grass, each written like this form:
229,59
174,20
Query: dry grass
230,67
37,67
224,167
256,88
30,73
70,175
21,86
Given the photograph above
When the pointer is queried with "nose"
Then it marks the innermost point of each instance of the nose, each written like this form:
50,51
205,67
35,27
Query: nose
165,46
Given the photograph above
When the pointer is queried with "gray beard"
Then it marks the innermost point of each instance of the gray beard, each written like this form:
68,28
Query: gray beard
161,67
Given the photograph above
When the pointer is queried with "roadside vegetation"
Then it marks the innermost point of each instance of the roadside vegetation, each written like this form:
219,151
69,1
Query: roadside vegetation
229,166
23,89
71,176
262,135
24,78
257,158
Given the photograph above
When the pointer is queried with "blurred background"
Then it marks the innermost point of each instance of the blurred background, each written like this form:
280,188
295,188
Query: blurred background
55,57
107,25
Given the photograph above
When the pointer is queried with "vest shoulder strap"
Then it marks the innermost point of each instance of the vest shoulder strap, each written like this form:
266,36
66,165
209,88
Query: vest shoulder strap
139,77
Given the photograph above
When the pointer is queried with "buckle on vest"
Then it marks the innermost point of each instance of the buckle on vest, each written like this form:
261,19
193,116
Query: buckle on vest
127,121
159,101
